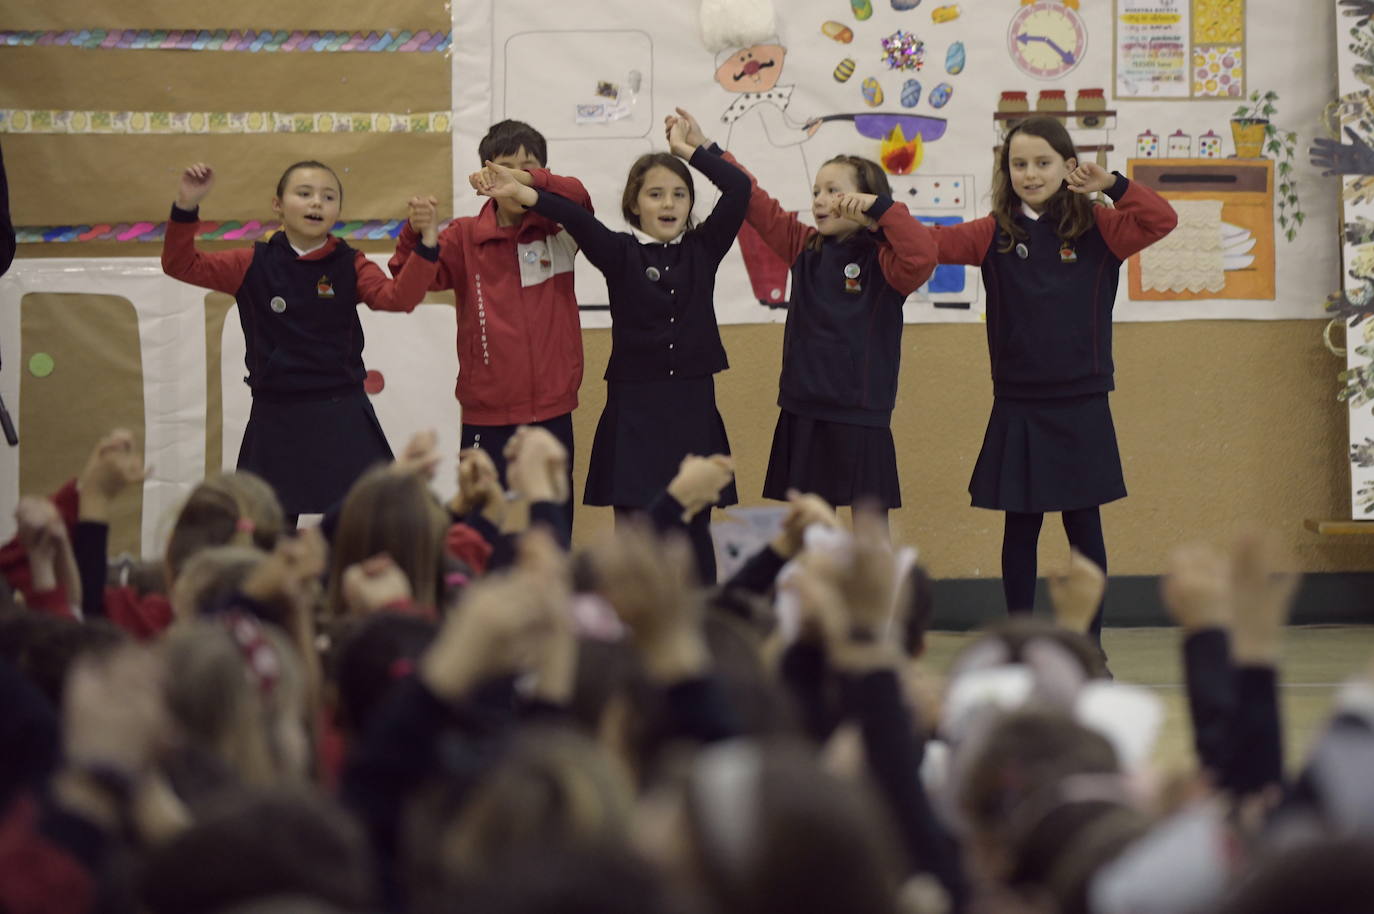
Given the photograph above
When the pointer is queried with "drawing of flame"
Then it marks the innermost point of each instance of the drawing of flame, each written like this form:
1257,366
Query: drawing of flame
901,156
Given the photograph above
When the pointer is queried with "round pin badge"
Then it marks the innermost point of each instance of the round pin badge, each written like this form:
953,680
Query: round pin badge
1022,251
278,304
652,273
851,271
531,256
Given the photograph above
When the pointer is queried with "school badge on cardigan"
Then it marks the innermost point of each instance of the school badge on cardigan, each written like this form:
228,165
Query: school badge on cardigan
1067,254
324,288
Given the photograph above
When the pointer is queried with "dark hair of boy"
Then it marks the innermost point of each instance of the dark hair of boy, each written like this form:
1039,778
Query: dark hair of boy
307,163
506,138
373,653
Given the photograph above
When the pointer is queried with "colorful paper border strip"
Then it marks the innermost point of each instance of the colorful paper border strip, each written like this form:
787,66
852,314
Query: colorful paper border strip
21,120
253,230
423,41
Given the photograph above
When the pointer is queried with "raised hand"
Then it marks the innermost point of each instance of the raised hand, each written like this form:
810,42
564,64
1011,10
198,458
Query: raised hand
196,182
1089,178
1197,587
1077,592
420,455
114,464
537,465
854,207
374,584
699,482
424,219
803,510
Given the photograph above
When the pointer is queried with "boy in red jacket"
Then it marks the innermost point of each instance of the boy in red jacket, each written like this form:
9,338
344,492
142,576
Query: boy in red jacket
511,271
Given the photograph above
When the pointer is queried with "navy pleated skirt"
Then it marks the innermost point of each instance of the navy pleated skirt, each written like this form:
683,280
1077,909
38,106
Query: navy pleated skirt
645,430
312,450
1048,455
840,462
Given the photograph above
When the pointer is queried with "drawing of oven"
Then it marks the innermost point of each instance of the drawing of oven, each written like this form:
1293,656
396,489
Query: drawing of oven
1224,244
941,200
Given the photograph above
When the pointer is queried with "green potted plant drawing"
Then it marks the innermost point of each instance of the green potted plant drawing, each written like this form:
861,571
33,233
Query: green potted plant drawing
1257,136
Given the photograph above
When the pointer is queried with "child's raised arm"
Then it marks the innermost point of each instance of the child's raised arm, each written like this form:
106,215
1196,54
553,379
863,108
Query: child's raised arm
782,231
906,248
222,271
1140,218
417,274
600,244
687,141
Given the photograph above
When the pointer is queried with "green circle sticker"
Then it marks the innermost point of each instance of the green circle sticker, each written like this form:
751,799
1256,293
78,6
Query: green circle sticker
40,364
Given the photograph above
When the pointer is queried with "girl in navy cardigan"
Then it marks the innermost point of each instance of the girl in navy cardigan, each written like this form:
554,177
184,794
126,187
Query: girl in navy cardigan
842,346
665,343
1050,260
312,429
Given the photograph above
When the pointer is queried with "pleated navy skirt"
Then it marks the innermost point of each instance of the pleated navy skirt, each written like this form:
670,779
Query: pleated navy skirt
312,450
645,430
840,462
1048,455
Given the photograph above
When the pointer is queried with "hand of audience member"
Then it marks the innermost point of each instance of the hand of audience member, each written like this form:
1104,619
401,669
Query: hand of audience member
420,455
1076,593
500,626
648,581
289,579
373,585
44,537
537,465
867,585
699,482
424,219
115,724
547,569
195,184
1197,587
803,510
479,486
114,464
1263,584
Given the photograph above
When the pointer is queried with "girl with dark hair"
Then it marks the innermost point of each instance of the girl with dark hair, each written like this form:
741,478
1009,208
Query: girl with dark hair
842,347
312,429
1050,259
665,344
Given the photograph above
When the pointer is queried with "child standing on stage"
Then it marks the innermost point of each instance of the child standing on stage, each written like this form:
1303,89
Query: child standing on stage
665,343
312,429
511,272
1050,260
842,346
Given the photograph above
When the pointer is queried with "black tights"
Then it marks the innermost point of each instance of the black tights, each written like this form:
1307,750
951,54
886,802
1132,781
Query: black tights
698,532
1020,536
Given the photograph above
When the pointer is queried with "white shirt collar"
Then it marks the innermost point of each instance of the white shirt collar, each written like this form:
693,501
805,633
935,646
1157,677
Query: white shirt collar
645,238
1029,213
300,253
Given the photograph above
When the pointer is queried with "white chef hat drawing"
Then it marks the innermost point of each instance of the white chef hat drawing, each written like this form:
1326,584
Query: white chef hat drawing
727,25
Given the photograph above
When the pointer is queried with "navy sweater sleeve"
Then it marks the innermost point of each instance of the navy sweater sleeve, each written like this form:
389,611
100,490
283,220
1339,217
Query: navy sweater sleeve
89,546
604,248
1256,751
894,754
1211,695
720,228
7,243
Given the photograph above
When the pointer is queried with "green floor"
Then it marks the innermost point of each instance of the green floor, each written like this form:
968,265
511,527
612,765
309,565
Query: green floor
1316,660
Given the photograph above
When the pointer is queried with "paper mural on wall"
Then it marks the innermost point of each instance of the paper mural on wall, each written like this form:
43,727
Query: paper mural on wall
1179,49
880,80
1223,246
1345,154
